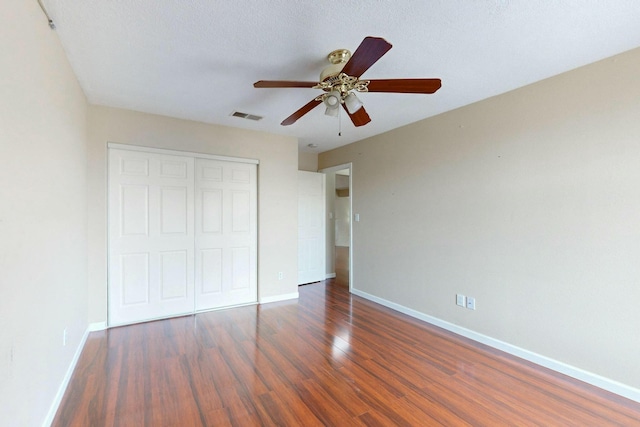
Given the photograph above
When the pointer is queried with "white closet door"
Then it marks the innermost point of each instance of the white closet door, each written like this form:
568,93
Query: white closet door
226,234
311,227
151,234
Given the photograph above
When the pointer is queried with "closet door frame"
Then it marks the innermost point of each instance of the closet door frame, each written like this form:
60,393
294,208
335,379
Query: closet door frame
160,151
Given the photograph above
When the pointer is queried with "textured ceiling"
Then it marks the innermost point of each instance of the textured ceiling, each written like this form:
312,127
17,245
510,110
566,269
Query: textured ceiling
198,59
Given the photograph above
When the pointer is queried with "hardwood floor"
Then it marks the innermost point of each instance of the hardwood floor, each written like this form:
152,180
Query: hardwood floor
328,358
342,266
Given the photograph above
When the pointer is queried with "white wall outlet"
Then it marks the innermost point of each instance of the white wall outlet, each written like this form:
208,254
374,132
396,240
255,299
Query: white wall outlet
471,303
356,217
461,300
280,275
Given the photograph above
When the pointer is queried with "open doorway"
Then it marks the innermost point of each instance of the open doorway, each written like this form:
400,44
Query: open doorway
339,253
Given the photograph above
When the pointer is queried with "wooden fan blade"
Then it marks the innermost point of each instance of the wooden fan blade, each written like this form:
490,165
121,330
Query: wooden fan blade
282,83
301,112
405,85
359,118
370,50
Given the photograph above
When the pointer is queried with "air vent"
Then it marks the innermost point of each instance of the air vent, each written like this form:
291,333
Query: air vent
246,116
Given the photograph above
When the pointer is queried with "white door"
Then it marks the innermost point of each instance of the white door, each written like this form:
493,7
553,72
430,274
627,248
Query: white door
151,235
311,227
226,234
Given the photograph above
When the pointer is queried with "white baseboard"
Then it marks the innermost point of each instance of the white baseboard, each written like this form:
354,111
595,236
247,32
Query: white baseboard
555,365
65,380
276,298
330,276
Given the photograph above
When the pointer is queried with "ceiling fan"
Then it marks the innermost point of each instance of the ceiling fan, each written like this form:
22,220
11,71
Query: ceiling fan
340,79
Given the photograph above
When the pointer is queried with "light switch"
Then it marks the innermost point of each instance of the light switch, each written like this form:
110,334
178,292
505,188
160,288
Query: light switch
356,217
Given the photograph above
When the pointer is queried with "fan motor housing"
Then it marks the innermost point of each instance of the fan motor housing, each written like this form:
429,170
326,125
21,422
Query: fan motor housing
338,58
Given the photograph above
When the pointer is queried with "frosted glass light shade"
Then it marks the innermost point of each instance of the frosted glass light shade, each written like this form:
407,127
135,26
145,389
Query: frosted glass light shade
333,112
352,103
332,99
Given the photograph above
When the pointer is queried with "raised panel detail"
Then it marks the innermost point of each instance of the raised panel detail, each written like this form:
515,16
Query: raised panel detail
240,203
240,268
211,270
212,173
134,210
173,169
134,269
240,176
173,210
173,274
134,166
308,251
211,211
315,218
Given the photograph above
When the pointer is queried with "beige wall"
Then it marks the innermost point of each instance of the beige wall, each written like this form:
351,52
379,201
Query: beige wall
308,161
277,189
43,238
528,202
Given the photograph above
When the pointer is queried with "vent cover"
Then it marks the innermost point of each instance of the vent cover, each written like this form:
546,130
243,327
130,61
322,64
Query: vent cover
246,116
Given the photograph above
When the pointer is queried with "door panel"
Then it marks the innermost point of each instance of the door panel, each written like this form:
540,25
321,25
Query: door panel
174,277
134,210
240,211
211,211
240,268
226,234
311,227
210,271
173,210
134,279
151,233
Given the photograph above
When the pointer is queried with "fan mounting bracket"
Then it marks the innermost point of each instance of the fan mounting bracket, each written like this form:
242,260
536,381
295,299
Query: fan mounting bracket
339,56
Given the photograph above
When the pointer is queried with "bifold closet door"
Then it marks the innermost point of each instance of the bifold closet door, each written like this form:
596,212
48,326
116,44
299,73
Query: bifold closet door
226,234
151,236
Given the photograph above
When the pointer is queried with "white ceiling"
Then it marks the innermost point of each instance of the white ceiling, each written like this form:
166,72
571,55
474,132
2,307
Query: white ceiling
198,59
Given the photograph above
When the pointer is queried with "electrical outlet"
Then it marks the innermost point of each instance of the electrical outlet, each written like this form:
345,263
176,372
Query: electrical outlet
280,275
471,303
461,300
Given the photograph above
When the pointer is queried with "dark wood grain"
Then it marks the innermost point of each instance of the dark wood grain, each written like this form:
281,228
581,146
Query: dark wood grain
404,85
329,358
342,266
282,83
300,112
359,118
368,53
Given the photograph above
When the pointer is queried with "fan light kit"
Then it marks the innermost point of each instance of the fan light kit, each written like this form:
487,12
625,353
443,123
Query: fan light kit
341,80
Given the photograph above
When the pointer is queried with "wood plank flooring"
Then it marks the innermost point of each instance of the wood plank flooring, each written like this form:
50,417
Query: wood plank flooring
329,359
342,266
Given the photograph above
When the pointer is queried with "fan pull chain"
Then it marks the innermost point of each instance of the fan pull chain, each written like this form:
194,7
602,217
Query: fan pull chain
339,122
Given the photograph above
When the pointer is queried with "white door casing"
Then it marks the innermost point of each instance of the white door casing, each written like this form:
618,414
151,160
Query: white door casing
311,227
150,236
226,234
